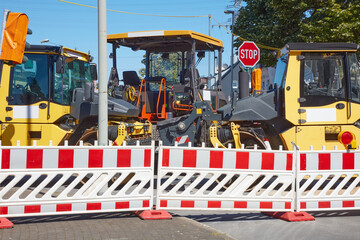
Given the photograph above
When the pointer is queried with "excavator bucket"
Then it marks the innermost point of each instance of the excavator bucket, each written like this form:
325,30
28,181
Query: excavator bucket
14,38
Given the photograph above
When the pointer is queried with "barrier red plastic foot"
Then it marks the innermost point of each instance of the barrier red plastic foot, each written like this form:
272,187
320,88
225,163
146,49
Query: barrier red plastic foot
153,214
6,223
291,216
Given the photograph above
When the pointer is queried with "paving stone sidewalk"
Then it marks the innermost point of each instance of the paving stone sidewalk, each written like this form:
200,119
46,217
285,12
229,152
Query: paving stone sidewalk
108,226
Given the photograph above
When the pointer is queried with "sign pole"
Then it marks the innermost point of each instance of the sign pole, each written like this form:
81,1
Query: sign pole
6,12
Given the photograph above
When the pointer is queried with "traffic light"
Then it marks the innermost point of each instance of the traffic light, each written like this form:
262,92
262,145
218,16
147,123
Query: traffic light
14,37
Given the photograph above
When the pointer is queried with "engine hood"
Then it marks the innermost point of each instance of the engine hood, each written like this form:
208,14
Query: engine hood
253,108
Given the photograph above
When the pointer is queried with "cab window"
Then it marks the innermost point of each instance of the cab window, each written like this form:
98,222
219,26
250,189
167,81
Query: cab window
322,78
354,78
30,81
167,65
76,74
280,74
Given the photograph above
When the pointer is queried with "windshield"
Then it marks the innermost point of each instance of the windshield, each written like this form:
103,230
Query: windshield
323,78
76,74
167,65
30,81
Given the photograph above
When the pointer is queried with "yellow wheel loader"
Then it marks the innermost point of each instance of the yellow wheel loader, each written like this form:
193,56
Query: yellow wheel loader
49,95
315,99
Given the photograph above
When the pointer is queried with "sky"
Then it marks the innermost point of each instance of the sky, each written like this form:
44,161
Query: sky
76,26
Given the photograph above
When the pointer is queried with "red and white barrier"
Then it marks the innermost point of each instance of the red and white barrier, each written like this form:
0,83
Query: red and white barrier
57,180
50,158
227,179
81,207
328,180
60,180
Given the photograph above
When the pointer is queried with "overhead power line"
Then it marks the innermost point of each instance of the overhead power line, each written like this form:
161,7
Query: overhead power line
169,16
142,14
243,39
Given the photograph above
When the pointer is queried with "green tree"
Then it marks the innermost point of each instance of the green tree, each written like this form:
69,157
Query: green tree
277,22
337,21
142,71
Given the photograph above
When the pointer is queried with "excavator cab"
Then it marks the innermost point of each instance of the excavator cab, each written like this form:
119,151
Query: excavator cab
171,82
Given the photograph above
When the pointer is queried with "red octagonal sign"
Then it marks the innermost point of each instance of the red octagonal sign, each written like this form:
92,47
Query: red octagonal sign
249,54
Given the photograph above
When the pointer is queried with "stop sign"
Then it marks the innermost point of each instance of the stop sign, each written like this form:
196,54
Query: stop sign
249,54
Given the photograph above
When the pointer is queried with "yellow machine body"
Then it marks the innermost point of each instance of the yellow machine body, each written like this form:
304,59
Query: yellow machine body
317,124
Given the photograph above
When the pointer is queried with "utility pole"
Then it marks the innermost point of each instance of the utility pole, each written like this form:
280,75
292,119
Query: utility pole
232,50
234,14
209,51
103,98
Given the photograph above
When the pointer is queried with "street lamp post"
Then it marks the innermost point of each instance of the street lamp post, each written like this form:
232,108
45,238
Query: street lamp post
103,101
232,50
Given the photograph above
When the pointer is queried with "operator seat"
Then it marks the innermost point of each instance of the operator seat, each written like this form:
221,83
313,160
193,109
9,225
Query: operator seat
113,78
131,78
113,84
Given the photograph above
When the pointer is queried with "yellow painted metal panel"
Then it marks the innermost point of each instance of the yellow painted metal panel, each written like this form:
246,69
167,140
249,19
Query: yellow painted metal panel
315,136
74,53
26,133
4,91
167,33
327,114
33,114
355,112
292,90
287,137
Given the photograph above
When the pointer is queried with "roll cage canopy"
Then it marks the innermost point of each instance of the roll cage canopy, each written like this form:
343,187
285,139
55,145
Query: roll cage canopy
318,47
165,41
169,41
67,52
323,47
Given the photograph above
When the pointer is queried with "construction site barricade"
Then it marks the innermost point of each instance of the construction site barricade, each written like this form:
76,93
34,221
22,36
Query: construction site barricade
83,179
328,180
225,179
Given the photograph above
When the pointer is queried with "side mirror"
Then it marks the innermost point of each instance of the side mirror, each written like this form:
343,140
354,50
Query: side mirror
89,91
93,70
201,54
60,64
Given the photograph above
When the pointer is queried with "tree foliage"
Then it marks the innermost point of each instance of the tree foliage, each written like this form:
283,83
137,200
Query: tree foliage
277,22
